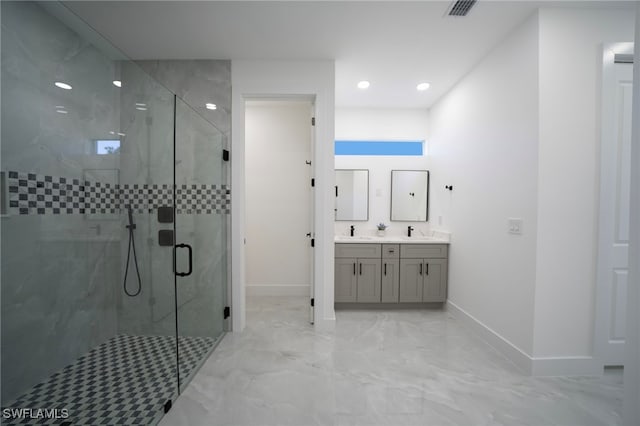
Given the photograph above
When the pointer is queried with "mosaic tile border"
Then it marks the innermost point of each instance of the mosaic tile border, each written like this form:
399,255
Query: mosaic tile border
35,194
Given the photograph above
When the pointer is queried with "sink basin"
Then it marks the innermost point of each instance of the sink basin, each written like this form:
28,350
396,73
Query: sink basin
356,238
417,238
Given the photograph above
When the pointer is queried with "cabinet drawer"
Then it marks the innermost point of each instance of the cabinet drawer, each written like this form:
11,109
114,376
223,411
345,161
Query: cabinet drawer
423,251
359,250
391,251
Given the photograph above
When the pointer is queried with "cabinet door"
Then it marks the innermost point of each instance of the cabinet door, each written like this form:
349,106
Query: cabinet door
368,280
390,280
411,282
435,280
345,280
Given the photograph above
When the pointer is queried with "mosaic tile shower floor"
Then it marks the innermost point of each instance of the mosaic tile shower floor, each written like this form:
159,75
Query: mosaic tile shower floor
124,381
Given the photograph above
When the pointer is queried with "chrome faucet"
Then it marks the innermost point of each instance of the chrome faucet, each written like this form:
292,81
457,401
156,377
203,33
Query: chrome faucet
353,229
409,229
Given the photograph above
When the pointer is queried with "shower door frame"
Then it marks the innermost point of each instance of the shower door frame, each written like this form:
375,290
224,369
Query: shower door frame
183,382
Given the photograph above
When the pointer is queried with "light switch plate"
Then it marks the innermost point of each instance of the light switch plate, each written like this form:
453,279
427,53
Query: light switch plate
515,226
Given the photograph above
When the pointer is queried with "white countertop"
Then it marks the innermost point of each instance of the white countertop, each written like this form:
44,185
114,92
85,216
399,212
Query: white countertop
433,238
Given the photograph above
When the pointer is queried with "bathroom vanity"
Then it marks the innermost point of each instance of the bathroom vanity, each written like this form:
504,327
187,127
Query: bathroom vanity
390,270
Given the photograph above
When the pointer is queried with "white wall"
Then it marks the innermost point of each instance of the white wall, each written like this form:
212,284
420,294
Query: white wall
631,414
381,124
313,79
512,150
483,141
278,195
568,162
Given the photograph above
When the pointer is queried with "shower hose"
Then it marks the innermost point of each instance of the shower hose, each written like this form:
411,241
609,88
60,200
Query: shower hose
131,226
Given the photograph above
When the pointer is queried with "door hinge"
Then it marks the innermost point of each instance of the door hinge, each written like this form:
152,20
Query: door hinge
167,406
313,242
225,155
312,302
227,312
313,121
313,182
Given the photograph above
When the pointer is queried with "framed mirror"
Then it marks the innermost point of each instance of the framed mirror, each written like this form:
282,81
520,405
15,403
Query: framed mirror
352,195
410,195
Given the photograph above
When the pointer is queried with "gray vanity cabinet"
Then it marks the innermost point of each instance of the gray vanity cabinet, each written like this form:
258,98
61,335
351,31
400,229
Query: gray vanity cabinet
423,273
368,280
435,281
411,280
346,280
390,273
357,273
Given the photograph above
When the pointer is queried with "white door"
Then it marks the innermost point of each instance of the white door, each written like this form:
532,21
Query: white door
613,245
312,234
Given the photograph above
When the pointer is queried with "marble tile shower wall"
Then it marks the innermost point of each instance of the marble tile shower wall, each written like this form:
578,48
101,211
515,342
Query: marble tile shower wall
58,298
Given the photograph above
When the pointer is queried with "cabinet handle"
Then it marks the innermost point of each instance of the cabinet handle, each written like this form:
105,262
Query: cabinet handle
360,268
354,268
385,269
427,265
420,268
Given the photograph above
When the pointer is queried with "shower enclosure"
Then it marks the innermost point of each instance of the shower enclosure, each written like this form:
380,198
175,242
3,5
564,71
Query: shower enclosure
88,139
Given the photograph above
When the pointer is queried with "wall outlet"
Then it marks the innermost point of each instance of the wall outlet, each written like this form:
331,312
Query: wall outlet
515,226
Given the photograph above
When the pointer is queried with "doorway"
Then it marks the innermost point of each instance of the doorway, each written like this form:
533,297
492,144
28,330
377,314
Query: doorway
279,206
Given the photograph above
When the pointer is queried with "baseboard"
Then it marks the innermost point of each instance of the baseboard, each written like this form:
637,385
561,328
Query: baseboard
547,366
326,324
387,306
566,366
278,290
494,339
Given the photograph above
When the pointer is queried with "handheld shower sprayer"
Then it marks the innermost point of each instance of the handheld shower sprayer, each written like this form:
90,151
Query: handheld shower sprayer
131,226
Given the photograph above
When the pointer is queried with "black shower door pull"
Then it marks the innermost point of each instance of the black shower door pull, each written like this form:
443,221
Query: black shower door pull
188,247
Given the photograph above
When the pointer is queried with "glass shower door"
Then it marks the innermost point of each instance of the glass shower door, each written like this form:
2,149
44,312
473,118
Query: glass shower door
202,210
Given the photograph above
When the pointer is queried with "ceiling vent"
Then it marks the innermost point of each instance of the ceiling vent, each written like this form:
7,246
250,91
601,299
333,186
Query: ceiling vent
460,7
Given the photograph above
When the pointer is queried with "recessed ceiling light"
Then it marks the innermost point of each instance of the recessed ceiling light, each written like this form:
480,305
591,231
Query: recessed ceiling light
364,84
141,104
121,134
62,111
117,83
211,106
140,108
423,86
62,85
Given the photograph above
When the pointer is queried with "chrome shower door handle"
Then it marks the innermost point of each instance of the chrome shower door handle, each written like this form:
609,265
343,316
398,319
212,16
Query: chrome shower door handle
188,247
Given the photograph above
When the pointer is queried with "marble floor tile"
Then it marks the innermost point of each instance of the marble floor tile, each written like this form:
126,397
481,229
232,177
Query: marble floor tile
404,367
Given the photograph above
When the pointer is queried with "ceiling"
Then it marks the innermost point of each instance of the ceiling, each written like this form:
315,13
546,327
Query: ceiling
394,44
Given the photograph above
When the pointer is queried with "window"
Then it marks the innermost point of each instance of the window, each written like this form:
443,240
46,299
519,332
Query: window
107,146
414,148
